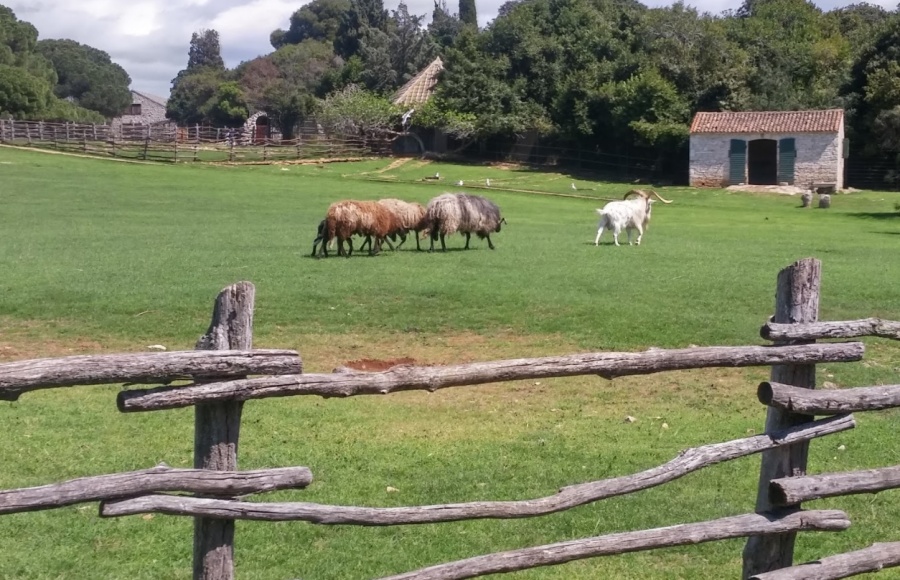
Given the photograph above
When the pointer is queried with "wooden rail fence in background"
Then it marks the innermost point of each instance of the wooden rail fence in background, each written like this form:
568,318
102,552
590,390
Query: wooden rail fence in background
167,143
217,385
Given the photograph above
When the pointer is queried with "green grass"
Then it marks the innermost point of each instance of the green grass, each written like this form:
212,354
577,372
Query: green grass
103,256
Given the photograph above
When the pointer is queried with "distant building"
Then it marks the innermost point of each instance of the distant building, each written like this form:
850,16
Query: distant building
414,93
145,109
799,148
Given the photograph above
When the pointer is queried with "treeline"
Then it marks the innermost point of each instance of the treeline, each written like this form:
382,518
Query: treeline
56,80
610,76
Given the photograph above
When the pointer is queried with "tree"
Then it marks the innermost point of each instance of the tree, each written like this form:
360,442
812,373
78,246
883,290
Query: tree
318,20
226,107
355,111
22,94
87,76
411,47
444,27
287,105
467,13
205,52
190,93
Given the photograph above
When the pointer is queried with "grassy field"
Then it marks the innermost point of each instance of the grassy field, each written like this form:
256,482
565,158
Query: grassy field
102,256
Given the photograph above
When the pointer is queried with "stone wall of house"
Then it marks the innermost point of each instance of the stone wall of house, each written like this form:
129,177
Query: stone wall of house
819,157
152,113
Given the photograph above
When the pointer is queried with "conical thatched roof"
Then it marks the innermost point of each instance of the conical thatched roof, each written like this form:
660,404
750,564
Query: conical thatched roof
420,88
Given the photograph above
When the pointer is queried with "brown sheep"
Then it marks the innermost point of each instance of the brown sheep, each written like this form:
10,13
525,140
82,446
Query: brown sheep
348,218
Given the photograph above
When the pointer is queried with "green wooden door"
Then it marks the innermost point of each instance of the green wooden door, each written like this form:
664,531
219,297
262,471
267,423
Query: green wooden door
737,161
787,155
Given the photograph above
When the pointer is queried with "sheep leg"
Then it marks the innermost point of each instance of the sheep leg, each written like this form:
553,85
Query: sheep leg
640,235
443,245
597,239
490,245
402,236
390,245
368,240
350,246
616,236
468,237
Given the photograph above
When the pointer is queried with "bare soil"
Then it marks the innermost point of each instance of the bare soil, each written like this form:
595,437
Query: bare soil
375,365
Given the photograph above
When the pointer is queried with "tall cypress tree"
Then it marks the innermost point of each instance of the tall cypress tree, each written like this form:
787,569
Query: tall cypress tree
467,13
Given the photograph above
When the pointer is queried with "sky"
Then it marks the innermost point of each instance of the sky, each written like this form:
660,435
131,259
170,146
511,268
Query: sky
150,38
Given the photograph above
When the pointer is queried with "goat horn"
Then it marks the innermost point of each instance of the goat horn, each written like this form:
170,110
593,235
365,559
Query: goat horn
659,197
639,192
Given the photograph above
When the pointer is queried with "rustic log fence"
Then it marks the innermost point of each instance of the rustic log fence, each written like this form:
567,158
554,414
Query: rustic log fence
218,385
170,144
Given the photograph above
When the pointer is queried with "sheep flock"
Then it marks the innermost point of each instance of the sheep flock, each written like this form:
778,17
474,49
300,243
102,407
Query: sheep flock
387,220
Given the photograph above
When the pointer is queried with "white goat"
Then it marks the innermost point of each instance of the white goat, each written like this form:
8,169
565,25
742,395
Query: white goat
631,214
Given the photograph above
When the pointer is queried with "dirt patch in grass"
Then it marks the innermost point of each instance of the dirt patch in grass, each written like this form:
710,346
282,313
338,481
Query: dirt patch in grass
394,164
374,365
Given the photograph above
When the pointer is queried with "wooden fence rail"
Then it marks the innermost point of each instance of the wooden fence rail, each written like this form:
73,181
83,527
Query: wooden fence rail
568,497
809,402
155,479
764,524
403,378
872,559
219,370
22,376
167,143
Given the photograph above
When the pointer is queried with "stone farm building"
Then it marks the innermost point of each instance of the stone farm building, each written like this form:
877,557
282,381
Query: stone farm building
802,148
145,109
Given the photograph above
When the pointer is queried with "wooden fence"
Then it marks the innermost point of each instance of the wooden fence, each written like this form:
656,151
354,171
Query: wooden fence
224,359
167,143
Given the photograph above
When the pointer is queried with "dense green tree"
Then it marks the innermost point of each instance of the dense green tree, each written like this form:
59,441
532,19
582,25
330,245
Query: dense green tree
87,76
190,94
467,13
318,20
226,107
873,91
287,105
22,94
444,26
205,51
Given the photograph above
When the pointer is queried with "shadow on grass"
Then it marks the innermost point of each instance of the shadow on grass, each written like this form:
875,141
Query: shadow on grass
873,215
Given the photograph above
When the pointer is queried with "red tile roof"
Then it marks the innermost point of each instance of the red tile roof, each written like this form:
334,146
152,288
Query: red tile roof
826,121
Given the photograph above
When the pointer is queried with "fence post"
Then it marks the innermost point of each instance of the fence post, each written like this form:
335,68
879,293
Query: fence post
217,427
94,131
796,300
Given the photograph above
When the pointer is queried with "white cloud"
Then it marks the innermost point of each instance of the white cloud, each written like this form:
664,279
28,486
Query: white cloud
150,38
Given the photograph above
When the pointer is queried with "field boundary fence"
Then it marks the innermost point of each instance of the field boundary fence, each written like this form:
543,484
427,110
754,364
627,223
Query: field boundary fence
170,144
225,371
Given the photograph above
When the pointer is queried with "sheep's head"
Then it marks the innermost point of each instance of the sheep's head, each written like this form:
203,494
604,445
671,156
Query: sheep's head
500,223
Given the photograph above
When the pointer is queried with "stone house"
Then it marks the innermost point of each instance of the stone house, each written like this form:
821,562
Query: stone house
802,148
145,109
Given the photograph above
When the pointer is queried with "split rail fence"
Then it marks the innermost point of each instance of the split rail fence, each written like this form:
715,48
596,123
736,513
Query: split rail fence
166,143
224,360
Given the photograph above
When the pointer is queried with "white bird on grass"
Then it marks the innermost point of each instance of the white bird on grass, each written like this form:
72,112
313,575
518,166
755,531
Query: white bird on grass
460,182
487,182
574,186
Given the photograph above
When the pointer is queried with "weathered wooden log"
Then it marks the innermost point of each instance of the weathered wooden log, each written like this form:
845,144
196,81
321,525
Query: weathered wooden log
831,329
808,402
217,428
796,300
157,479
568,497
29,375
793,490
681,535
872,559
403,378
